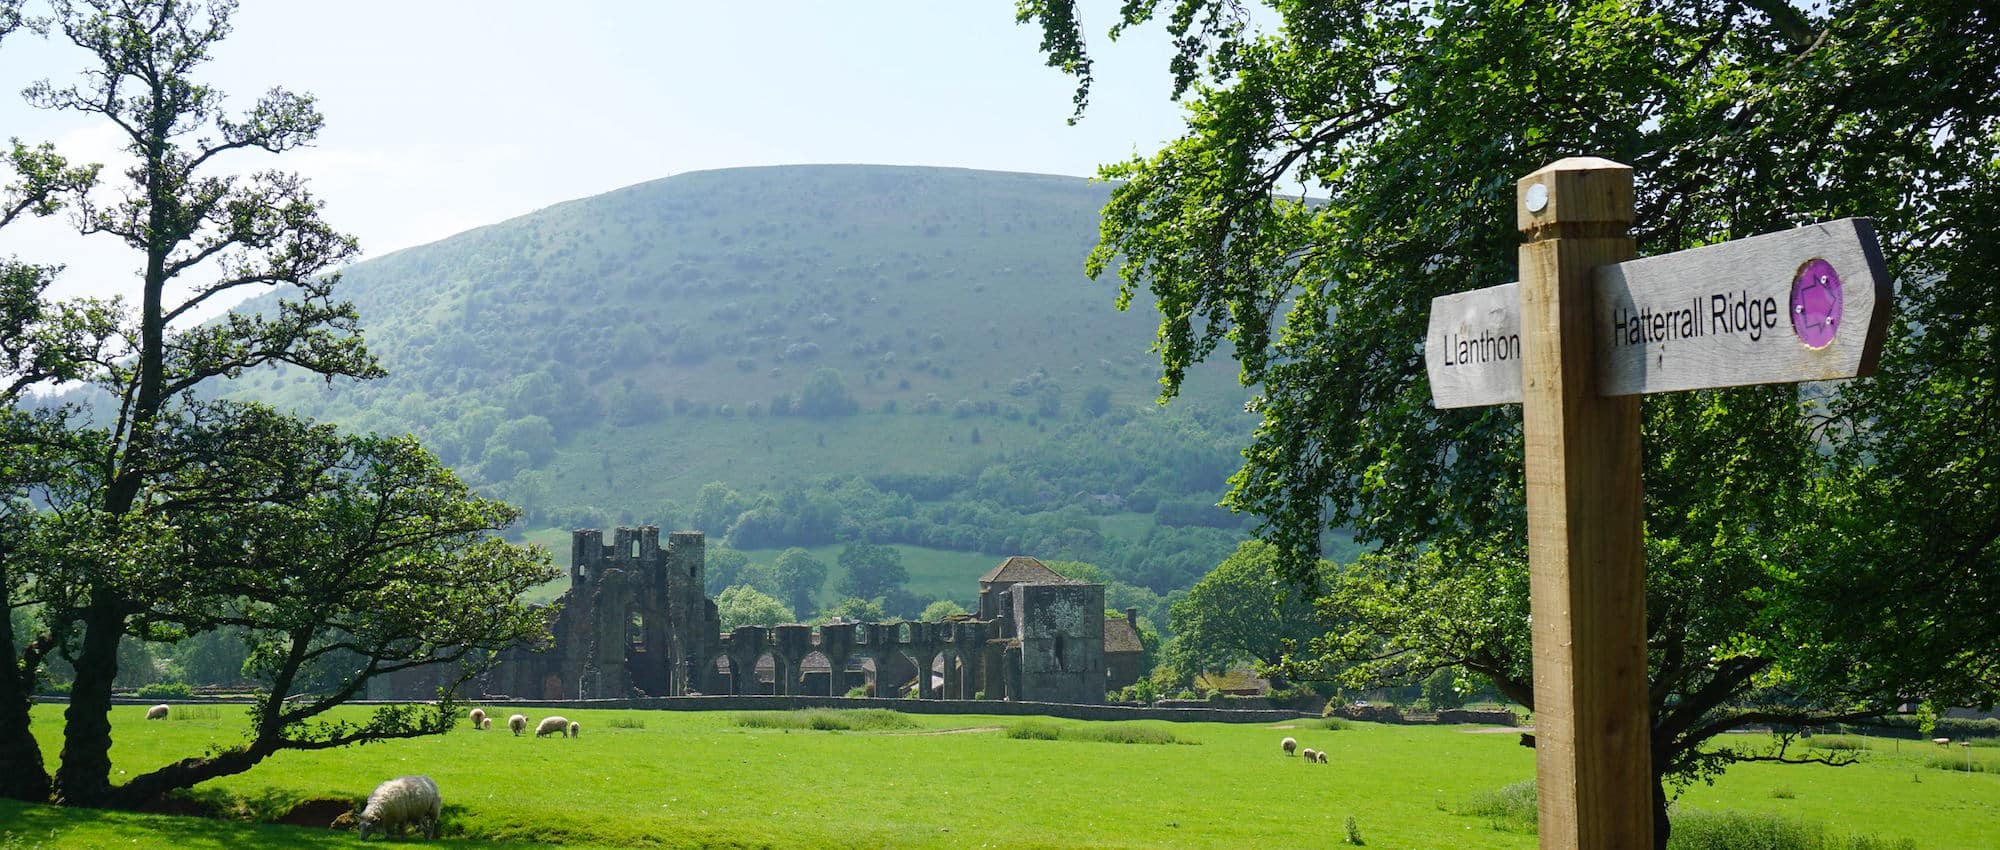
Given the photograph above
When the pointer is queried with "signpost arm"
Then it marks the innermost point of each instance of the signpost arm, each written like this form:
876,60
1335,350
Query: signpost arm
1592,740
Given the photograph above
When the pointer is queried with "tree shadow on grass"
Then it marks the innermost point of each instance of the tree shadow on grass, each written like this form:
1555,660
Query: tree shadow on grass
24,826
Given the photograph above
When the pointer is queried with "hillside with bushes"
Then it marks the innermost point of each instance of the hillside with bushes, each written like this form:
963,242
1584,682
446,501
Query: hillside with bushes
802,356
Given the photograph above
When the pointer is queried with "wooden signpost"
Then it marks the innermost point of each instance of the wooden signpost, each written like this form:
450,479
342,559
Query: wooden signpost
1585,332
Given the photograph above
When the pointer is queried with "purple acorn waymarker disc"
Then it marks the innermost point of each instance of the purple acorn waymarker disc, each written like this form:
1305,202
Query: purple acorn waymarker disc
1816,303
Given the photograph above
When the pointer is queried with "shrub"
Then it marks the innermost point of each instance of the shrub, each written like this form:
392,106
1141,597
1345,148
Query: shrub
1694,830
165,690
828,720
1507,807
1032,730
858,691
1836,742
626,721
195,712
1103,733
1961,762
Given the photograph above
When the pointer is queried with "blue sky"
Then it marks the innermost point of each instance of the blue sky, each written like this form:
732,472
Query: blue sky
446,114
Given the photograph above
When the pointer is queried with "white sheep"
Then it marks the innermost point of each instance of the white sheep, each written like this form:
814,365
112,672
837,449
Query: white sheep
552,725
485,723
518,723
1291,745
573,729
400,802
1322,757
478,718
158,712
1311,755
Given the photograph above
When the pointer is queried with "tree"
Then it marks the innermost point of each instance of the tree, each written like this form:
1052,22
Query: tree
825,395
110,557
871,570
377,561
939,610
40,342
1241,610
854,609
1797,535
800,576
743,605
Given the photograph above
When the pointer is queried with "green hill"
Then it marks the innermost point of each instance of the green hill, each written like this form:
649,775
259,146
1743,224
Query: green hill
906,355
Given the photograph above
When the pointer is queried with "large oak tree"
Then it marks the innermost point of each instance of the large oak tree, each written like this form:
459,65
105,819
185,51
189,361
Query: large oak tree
1815,552
338,558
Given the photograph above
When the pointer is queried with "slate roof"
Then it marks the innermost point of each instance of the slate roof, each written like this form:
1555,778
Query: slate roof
1022,569
1121,636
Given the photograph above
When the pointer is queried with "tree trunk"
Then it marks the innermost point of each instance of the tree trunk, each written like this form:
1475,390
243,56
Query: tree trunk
185,773
84,779
22,776
1661,826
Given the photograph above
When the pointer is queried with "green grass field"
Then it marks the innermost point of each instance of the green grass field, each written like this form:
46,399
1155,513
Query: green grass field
683,779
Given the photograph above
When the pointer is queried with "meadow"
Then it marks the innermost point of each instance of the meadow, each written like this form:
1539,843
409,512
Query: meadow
722,779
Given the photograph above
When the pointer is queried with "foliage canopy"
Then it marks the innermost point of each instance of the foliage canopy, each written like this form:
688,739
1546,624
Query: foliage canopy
1814,551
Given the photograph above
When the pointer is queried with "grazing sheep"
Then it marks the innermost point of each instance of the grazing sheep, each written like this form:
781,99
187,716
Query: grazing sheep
1942,742
478,718
553,725
1290,745
1322,757
158,712
518,723
573,729
403,801
485,723
1311,755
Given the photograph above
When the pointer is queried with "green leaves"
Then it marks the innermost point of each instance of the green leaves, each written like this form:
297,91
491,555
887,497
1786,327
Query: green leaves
1819,551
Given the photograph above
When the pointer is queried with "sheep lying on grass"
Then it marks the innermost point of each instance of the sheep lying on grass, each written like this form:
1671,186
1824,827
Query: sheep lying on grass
553,725
478,718
518,723
573,729
403,801
158,712
1311,755
1291,745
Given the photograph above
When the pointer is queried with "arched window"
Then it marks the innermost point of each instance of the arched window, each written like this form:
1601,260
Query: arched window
635,629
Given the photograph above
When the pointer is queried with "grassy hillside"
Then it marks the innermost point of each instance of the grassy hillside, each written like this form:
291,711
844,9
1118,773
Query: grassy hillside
784,333
654,327
675,779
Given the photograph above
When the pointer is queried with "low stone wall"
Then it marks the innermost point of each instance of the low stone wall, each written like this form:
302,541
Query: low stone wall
919,706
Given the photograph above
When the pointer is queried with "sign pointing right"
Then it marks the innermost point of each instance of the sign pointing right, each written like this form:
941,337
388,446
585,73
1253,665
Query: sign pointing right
1809,304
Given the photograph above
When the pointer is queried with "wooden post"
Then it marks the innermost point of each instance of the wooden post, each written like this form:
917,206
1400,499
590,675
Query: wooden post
1592,735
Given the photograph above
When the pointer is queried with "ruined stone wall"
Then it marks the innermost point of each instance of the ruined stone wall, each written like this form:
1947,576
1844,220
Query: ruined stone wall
1060,628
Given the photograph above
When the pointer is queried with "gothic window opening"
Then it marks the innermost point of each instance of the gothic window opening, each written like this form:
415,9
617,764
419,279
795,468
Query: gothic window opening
635,630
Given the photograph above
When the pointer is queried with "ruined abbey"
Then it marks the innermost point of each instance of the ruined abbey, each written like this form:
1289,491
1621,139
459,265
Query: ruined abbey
636,623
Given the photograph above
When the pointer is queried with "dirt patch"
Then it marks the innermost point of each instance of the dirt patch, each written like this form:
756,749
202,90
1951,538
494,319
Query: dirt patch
320,813
183,806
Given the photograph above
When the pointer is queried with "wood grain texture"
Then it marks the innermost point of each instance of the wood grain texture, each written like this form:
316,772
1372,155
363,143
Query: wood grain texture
1721,316
1592,743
